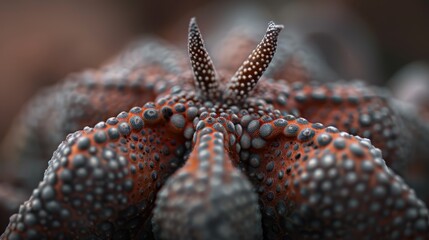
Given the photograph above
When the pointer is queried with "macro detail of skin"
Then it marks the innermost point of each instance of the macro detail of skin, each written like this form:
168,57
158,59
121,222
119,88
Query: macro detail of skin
215,154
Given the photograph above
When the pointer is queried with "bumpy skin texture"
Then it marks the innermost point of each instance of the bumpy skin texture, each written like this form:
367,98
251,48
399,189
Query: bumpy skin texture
196,164
135,77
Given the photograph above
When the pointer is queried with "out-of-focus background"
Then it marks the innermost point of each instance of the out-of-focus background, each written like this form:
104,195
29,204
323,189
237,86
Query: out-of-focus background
40,43
382,42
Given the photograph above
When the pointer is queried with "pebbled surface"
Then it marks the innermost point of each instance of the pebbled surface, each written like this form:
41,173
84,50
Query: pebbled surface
190,163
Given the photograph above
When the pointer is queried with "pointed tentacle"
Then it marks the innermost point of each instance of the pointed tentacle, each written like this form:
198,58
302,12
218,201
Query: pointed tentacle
294,60
315,182
102,182
246,77
208,198
204,71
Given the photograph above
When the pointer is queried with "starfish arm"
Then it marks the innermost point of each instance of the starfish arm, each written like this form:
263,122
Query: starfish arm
351,107
102,181
315,182
208,198
82,100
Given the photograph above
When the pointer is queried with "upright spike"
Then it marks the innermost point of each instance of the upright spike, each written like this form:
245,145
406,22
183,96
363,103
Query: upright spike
246,77
202,66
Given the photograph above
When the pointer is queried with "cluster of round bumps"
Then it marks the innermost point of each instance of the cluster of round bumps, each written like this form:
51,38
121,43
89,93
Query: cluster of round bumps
98,169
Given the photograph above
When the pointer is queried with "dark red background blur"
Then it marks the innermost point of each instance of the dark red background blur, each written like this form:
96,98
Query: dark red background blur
40,43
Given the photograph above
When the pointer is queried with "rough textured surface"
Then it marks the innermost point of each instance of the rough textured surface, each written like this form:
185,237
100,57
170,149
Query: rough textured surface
191,164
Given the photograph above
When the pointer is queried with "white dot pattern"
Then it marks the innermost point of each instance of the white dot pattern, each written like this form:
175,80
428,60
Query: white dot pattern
202,66
246,77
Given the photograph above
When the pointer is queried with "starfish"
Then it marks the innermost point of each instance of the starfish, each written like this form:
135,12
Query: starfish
219,155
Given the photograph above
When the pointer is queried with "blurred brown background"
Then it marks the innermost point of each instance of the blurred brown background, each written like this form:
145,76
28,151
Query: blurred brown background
40,43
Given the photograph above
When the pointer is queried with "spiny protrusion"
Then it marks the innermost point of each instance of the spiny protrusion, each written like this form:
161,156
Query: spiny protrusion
202,66
246,77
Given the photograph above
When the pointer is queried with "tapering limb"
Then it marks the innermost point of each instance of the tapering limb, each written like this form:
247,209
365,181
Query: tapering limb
208,198
102,182
315,182
351,107
132,79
